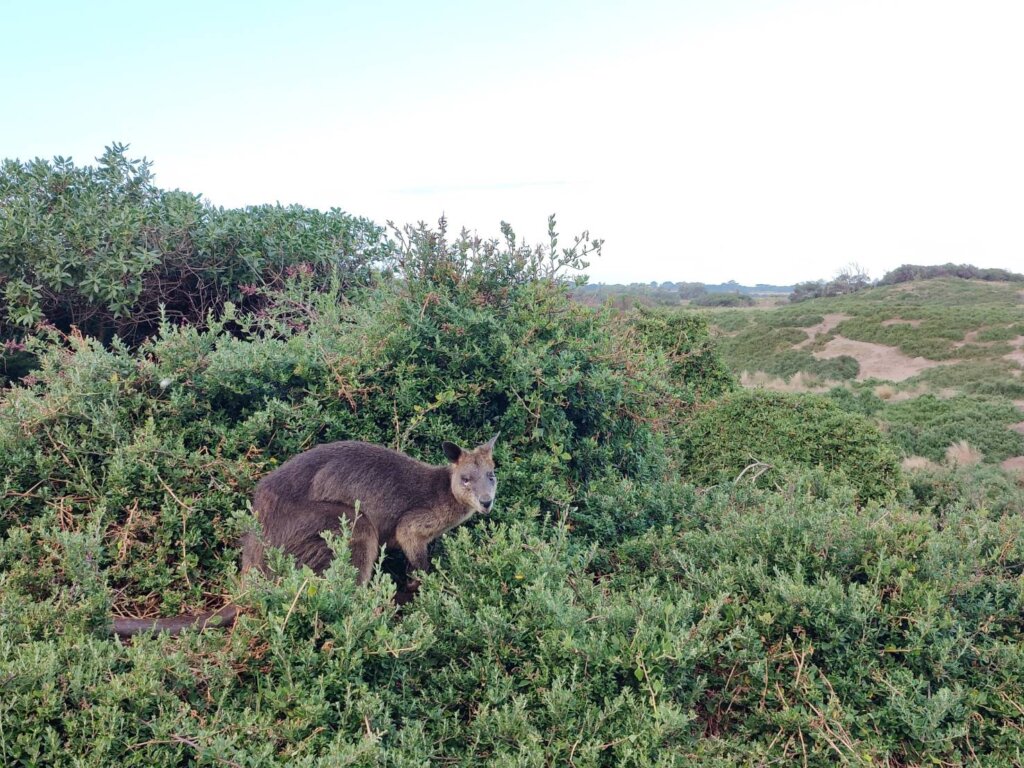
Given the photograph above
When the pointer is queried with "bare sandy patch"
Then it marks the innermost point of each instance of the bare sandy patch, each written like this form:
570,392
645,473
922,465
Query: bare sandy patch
971,337
1018,427
901,321
1014,464
877,361
828,322
1017,356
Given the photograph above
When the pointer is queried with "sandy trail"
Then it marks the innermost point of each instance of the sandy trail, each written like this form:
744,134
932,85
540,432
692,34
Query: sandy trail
1017,356
827,324
901,321
877,361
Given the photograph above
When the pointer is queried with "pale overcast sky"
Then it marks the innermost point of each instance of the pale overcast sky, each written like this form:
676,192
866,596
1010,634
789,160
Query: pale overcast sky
770,141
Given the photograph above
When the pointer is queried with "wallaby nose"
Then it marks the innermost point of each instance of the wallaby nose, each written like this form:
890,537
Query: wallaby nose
486,504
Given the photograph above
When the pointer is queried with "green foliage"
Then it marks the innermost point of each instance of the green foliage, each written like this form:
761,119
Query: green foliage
728,322
912,272
927,426
102,248
768,435
162,445
989,377
695,368
762,627
609,613
839,635
863,400
956,490
723,300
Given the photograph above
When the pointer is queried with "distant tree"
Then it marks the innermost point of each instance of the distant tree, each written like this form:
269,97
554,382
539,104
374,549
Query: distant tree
906,273
724,300
810,289
691,290
849,279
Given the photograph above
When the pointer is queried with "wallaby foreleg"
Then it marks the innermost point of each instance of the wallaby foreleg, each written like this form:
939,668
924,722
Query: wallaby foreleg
365,545
413,541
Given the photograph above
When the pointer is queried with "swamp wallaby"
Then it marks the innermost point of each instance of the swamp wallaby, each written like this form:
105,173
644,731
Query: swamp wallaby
389,499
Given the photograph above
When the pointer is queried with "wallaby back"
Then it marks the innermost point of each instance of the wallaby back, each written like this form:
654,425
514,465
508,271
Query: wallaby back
387,497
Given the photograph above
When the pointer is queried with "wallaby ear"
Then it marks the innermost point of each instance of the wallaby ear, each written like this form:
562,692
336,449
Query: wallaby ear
489,445
452,452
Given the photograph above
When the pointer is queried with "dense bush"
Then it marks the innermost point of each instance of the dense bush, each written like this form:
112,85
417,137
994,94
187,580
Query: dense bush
845,636
723,300
767,435
630,602
956,490
762,627
992,377
695,368
102,248
909,272
927,426
850,279
160,446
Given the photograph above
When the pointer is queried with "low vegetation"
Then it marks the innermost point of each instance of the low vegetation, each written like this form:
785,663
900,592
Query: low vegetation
766,435
677,571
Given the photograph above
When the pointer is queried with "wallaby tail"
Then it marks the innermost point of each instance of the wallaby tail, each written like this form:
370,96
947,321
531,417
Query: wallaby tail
221,618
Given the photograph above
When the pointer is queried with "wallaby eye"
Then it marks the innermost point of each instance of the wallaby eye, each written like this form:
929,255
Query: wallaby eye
467,481
490,476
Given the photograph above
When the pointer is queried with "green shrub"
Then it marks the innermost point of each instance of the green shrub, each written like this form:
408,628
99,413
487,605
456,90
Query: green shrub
957,489
162,445
767,434
927,426
105,250
831,634
694,366
912,272
990,377
723,300
761,627
863,401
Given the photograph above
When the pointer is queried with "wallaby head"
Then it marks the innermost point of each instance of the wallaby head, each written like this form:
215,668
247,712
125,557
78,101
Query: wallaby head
473,480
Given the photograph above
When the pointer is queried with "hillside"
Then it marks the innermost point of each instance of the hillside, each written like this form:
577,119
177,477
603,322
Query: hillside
942,345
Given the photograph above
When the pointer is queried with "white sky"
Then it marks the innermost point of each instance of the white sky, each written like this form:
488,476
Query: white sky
705,141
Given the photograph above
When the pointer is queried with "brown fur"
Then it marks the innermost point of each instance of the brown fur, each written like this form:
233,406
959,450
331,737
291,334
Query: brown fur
389,499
